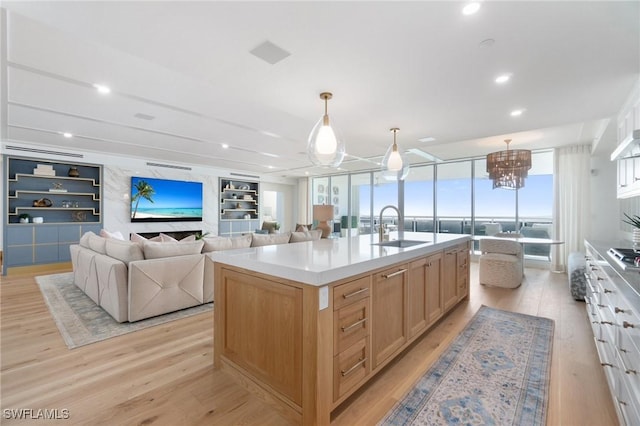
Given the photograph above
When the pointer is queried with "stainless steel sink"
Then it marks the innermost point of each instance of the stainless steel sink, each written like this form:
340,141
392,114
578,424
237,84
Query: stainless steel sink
400,243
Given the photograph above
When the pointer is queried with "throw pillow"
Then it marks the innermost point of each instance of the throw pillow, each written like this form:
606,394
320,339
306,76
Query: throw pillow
114,235
271,239
137,238
124,251
269,226
155,250
297,237
301,227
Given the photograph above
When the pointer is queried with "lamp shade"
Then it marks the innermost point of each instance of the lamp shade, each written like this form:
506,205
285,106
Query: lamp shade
323,213
395,164
508,169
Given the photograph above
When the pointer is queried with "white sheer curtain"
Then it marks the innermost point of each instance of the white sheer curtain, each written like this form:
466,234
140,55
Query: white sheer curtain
571,201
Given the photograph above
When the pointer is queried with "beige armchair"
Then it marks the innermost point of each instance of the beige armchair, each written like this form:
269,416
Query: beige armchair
501,263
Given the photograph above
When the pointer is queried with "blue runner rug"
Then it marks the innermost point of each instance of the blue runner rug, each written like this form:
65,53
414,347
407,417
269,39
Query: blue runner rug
496,372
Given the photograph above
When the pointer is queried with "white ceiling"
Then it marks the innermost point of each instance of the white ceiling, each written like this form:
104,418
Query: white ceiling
419,66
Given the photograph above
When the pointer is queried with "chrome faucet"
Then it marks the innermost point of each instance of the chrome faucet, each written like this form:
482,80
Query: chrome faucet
400,223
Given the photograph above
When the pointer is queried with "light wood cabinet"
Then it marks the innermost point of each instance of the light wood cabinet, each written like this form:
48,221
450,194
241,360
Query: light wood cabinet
455,281
450,278
425,296
434,288
351,334
389,307
462,272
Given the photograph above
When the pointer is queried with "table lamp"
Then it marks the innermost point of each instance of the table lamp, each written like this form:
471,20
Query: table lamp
323,213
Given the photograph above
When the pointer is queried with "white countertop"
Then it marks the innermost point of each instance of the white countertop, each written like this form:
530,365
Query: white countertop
324,261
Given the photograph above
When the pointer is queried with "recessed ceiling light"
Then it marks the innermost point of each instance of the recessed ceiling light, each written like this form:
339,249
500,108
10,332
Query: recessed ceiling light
225,145
471,8
267,133
270,167
306,173
427,139
67,135
503,78
101,88
517,112
487,42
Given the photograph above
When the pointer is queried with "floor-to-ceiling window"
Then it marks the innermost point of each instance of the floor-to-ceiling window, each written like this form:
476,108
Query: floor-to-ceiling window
453,197
418,199
450,197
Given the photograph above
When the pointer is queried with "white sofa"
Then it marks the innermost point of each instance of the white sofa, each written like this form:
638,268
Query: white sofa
134,280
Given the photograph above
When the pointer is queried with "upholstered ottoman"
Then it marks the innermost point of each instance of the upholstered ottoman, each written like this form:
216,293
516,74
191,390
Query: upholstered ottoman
576,269
500,270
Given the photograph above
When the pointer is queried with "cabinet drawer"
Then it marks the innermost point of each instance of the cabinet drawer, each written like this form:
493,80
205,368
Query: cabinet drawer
350,368
350,324
628,403
350,292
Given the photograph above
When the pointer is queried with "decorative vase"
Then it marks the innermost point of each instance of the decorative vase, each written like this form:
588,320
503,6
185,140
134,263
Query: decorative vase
73,172
24,220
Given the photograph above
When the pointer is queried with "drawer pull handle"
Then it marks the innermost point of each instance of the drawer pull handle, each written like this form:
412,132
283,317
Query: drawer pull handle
606,322
601,305
393,274
601,340
362,290
355,324
352,369
621,402
618,310
606,364
623,350
631,371
606,290
626,324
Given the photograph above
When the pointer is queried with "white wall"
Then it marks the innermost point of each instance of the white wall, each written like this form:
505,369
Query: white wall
604,204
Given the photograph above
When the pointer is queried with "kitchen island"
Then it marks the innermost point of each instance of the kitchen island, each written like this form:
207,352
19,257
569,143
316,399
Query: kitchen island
305,325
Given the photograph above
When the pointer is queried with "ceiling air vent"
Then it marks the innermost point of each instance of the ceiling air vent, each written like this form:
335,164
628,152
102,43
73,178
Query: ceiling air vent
44,151
243,175
168,166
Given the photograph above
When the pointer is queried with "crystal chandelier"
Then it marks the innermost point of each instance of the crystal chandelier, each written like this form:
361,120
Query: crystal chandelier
508,169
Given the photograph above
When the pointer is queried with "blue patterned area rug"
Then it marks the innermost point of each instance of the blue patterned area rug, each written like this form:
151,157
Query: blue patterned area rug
496,372
82,322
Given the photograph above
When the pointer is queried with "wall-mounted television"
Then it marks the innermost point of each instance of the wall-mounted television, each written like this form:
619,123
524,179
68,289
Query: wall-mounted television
164,200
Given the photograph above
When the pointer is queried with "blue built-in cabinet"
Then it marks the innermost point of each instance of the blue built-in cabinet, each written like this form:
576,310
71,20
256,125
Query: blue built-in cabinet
73,207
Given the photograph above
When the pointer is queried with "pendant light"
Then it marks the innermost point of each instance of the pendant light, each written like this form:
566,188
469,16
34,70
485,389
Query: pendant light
395,165
325,146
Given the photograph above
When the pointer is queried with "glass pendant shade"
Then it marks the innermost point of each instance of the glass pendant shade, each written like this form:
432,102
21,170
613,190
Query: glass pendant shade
325,146
395,164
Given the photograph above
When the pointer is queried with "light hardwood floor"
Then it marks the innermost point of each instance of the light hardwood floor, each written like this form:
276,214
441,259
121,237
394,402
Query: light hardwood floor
164,376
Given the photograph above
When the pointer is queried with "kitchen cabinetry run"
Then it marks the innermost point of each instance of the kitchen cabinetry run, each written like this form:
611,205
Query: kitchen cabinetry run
613,310
49,205
239,206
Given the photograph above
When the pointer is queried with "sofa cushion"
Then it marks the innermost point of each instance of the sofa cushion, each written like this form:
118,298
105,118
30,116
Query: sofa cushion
297,237
155,250
259,240
303,227
117,235
226,243
94,242
125,251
